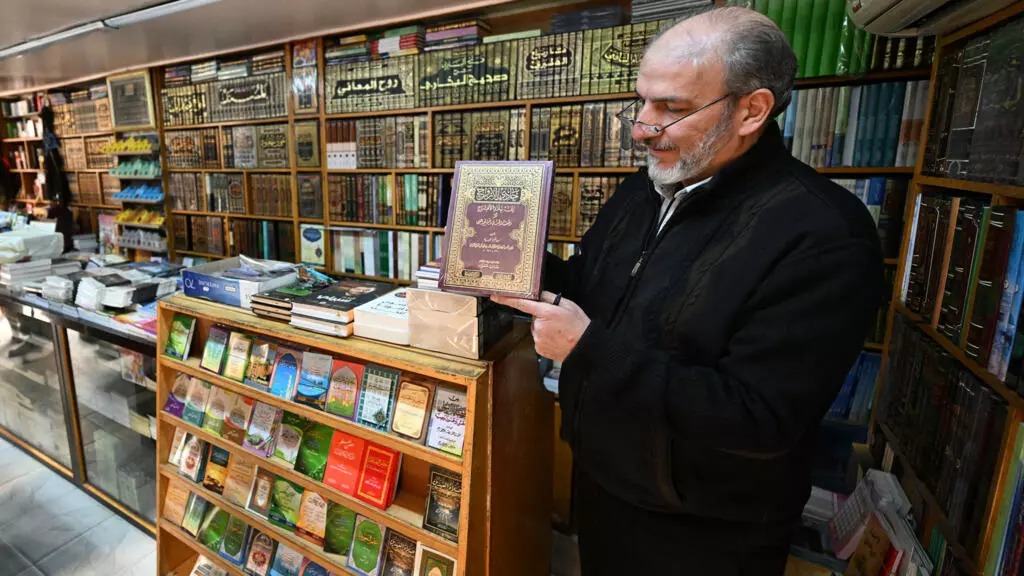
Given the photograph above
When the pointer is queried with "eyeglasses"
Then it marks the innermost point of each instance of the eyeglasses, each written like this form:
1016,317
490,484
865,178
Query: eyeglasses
628,115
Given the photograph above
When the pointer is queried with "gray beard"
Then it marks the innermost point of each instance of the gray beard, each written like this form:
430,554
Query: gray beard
690,166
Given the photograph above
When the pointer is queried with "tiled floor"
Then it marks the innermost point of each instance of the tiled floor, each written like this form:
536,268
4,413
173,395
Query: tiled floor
49,527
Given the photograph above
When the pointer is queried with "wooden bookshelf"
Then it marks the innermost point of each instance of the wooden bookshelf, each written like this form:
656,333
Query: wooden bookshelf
971,561
506,493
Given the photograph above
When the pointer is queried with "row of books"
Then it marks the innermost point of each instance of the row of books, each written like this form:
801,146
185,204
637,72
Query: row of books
388,142
360,198
193,148
948,424
263,146
187,192
853,402
263,239
252,98
23,128
203,234
82,116
866,126
382,253
885,199
972,294
270,194
977,131
22,106
594,192
587,135
87,154
93,188
827,42
478,135
226,68
1006,549
560,206
422,200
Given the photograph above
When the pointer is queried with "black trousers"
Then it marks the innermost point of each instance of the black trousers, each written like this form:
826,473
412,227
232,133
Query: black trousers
619,539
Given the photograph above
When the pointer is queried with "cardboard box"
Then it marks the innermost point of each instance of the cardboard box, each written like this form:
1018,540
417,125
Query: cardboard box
204,282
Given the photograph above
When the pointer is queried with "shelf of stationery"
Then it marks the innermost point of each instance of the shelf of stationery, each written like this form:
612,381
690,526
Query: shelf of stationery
1011,397
959,552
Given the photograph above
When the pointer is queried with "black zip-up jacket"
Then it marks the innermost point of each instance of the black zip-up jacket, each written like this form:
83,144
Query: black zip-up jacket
700,383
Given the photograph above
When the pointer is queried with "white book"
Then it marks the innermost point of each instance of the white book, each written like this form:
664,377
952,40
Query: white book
851,126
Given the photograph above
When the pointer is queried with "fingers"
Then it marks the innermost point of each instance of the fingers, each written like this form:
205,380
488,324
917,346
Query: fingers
530,307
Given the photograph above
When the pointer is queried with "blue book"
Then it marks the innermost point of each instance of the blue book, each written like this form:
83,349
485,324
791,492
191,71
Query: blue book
285,376
790,124
314,380
894,115
865,124
1009,304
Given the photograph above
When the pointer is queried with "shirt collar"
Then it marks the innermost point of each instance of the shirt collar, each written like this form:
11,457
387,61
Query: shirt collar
670,192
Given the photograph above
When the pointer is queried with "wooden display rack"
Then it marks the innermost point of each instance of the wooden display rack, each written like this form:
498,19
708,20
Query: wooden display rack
506,466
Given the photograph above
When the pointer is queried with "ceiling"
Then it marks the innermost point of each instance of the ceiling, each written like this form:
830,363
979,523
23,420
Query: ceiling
223,26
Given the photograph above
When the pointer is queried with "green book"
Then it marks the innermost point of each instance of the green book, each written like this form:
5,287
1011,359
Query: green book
216,346
179,338
815,42
285,501
830,44
341,523
775,11
761,6
314,450
847,35
972,283
194,513
866,51
367,544
801,35
788,19
213,528
196,402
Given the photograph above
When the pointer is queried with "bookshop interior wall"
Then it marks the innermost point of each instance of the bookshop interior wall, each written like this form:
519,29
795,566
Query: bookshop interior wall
347,413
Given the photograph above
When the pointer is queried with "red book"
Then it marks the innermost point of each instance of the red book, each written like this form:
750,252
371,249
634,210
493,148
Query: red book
378,476
344,462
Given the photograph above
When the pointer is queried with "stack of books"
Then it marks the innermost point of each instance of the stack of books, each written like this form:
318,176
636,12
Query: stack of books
17,273
268,62
428,274
650,10
331,310
203,71
398,42
385,318
589,19
347,49
455,34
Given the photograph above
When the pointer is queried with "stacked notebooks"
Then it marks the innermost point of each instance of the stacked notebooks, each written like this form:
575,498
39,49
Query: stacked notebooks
318,306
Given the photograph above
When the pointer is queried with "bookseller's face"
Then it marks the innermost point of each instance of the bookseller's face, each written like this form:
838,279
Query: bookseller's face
686,100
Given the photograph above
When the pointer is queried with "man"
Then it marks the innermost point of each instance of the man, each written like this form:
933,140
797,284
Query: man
719,300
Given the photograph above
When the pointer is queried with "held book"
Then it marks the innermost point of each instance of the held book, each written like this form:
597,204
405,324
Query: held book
496,230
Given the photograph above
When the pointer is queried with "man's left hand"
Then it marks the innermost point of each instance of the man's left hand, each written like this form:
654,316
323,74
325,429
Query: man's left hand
556,328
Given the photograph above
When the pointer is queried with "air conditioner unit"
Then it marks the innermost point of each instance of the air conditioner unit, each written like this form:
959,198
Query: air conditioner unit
919,17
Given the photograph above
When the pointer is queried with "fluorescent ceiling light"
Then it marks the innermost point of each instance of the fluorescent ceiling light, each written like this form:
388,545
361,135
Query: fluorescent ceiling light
50,39
154,12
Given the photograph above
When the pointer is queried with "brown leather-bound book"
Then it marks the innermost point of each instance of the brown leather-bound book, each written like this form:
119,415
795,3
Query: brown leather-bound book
496,230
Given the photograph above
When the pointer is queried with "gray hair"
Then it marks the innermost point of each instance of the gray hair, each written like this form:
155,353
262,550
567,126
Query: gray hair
752,49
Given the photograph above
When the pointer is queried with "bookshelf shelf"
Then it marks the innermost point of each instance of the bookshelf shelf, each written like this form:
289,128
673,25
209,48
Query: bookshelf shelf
96,206
199,254
874,346
233,170
869,171
397,227
1007,190
598,170
395,281
87,134
259,217
27,170
150,178
945,527
415,450
1011,397
485,105
568,239
138,153
891,261
981,25
203,213
390,170
142,226
130,246
91,170
21,140
190,541
868,78
276,120
29,201
502,497
252,519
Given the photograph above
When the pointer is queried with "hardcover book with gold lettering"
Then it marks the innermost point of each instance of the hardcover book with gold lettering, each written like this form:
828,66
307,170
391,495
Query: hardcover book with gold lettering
497,225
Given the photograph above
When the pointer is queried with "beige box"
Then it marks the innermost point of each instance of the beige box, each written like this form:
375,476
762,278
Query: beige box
446,302
465,336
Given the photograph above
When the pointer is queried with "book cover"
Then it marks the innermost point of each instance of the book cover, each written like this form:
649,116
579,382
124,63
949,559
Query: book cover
289,438
367,545
272,149
313,380
337,302
195,403
412,409
244,140
285,501
213,353
194,514
261,551
430,562
178,395
236,421
338,532
343,393
179,338
261,364
309,188
344,462
312,244
285,375
307,145
175,502
377,396
287,561
193,459
177,447
237,361
378,475
399,554
314,450
259,437
221,401
262,489
239,480
444,501
447,431
216,469
310,568
312,521
496,230
232,547
213,528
